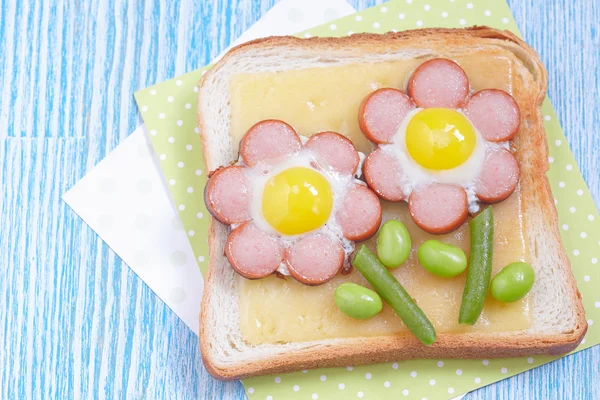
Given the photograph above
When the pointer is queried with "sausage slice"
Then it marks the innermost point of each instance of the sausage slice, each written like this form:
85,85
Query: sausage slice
227,195
269,141
335,151
499,177
360,214
253,253
381,113
495,114
439,83
315,259
438,208
383,174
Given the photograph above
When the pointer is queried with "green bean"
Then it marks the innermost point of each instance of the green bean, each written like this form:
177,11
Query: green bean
357,301
480,267
393,244
394,294
442,259
513,282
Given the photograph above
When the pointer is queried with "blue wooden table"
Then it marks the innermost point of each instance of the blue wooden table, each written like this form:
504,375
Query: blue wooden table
75,322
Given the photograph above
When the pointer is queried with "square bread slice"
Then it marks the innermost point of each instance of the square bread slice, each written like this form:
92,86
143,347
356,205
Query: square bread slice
558,322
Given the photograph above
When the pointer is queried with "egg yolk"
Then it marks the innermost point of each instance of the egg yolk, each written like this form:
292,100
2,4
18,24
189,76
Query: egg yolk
297,200
440,138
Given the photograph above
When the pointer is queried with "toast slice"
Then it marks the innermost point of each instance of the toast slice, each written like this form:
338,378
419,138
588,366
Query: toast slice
558,322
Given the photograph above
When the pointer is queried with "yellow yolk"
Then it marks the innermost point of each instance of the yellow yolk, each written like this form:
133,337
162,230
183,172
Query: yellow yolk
440,138
297,200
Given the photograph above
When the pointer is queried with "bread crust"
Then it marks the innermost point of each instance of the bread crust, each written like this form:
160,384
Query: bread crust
532,154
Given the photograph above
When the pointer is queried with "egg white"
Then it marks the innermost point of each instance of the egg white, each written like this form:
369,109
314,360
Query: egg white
415,176
260,174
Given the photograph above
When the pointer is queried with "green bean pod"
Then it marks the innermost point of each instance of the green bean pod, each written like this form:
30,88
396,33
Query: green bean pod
394,294
480,267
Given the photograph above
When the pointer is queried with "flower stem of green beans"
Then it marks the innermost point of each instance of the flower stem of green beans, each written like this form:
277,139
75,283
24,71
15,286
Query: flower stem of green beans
394,294
480,267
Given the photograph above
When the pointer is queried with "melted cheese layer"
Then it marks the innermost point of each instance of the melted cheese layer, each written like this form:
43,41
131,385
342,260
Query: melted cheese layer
319,99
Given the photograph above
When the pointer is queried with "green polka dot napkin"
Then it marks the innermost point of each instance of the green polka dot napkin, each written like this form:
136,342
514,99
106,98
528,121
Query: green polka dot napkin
169,111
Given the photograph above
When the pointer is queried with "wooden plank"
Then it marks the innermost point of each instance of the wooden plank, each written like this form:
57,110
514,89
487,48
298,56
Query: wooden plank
75,320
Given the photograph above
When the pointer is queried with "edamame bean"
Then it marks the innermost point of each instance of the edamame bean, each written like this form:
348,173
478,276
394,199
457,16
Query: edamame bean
357,301
513,282
393,244
442,259
394,294
480,267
